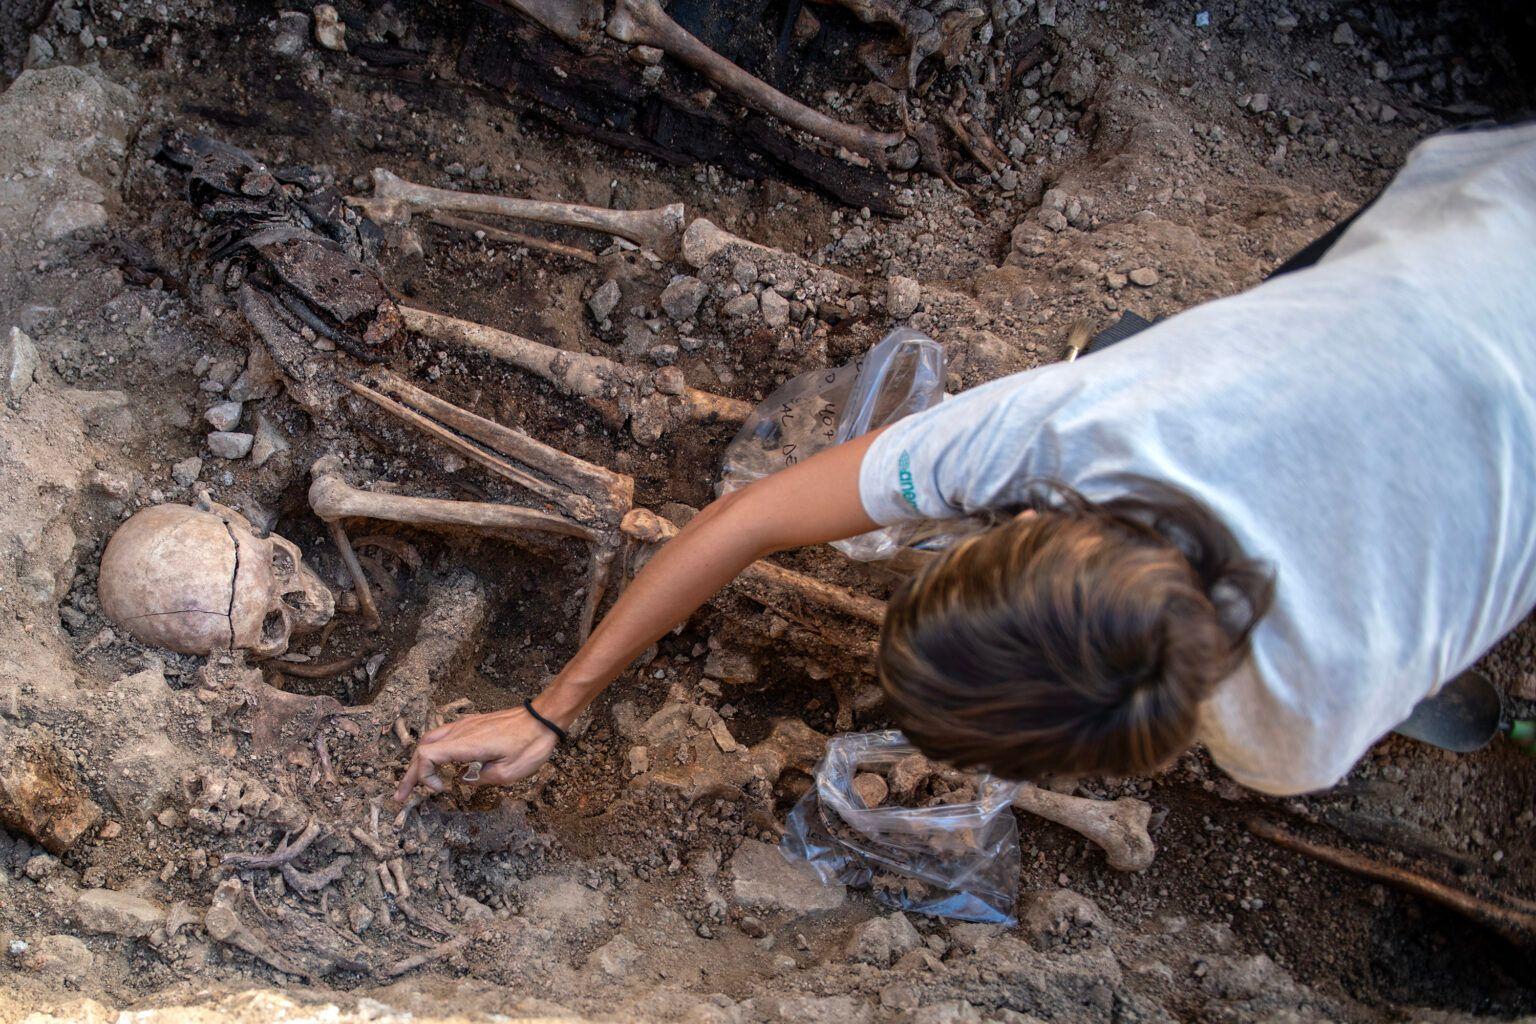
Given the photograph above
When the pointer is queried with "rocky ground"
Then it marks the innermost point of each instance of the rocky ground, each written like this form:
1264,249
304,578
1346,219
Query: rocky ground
1152,158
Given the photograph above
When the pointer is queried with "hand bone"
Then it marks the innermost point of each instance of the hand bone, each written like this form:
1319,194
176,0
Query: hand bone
643,22
1119,827
394,199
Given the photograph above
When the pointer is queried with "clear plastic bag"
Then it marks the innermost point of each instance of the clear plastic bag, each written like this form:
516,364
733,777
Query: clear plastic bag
901,375
958,860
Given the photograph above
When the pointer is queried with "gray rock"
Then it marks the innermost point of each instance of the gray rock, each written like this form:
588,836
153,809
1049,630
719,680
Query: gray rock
61,956
1344,35
663,355
228,444
744,273
70,216
669,380
731,666
269,441
1058,917
1258,102
763,880
1053,219
614,957
292,34
329,30
40,52
224,416
682,296
605,300
187,471
881,940
18,361
743,305
902,295
1144,277
104,912
775,308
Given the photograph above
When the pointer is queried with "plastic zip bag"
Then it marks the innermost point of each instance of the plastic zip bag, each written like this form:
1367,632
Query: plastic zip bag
958,860
901,375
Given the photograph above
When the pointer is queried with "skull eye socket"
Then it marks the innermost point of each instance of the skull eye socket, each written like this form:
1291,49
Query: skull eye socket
274,627
283,566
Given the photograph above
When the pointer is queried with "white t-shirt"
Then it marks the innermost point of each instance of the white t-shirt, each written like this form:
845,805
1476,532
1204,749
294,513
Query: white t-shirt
1366,425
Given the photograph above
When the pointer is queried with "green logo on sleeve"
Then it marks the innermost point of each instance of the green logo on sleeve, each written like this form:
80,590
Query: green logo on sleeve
904,477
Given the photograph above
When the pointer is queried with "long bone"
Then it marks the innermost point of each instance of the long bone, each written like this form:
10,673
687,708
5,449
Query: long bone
394,199
333,499
589,492
609,386
767,582
1118,827
644,23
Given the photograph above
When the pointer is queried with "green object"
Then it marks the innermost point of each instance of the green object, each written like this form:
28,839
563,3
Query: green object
1523,732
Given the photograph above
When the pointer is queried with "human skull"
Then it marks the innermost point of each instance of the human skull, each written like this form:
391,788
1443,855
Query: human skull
200,580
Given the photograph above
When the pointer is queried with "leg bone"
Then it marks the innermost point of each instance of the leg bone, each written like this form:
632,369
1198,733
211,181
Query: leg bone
332,498
1119,827
394,199
643,22
766,582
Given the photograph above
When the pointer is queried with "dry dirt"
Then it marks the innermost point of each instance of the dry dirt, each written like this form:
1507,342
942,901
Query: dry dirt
1204,152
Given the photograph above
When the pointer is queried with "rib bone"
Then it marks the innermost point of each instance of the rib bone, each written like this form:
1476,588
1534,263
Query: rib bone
643,22
394,199
1119,827
767,582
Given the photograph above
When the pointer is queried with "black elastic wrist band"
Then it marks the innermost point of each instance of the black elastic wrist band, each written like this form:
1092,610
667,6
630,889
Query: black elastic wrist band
546,723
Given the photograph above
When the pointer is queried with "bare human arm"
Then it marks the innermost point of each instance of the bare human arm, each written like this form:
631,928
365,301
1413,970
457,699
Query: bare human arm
809,503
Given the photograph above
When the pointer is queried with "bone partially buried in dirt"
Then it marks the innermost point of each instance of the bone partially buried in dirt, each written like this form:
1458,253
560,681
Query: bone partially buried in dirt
200,580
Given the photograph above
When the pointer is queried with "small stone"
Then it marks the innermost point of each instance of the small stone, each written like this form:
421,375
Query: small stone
682,296
902,294
1381,71
664,355
40,866
605,300
753,927
669,380
1143,277
1053,219
775,308
111,830
881,940
269,441
292,33
1344,35
731,666
61,956
1258,102
19,363
329,30
1388,114
187,471
41,794
763,880
1114,280
224,416
40,52
1286,23
743,305
106,912
870,788
649,56
614,957
744,273
228,444
639,760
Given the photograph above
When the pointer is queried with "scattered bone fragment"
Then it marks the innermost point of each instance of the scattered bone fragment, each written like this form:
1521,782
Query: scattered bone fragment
575,21
315,881
1118,827
714,771
491,233
410,963
394,199
200,580
41,794
643,22
286,851
330,30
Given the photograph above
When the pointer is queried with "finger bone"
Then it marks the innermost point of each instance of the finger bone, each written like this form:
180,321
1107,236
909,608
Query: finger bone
643,22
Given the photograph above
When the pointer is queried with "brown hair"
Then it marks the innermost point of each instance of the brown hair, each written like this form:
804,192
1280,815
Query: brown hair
1080,639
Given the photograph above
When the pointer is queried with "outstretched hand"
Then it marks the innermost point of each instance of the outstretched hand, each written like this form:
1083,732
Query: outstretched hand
510,745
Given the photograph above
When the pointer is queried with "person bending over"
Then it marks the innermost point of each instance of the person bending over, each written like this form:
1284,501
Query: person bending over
1272,523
